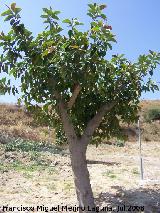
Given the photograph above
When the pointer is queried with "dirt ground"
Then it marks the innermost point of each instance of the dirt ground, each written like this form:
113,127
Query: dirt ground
44,178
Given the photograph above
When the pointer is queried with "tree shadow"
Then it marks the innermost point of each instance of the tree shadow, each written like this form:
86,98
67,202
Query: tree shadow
149,198
102,162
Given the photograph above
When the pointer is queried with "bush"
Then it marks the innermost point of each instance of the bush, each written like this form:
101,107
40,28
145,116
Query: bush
27,146
120,143
152,114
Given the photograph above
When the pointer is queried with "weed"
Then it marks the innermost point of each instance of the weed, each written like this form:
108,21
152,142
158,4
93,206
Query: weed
27,145
152,114
135,171
38,159
34,155
68,186
20,167
110,174
119,143
3,168
51,170
51,187
27,175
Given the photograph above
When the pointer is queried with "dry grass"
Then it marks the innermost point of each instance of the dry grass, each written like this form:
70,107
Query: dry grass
151,131
114,173
16,122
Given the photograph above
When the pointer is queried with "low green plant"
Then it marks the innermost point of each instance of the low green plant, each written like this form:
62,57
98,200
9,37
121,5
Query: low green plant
51,170
152,114
27,175
51,187
68,186
34,155
110,174
3,168
20,167
119,143
27,146
135,171
39,159
23,145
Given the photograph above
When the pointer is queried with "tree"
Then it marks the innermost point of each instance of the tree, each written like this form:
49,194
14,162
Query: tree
84,95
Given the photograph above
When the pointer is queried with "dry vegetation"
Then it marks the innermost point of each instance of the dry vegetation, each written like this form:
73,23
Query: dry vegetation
36,173
14,121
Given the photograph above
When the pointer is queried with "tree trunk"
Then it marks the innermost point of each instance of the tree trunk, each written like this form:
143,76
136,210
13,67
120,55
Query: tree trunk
81,176
78,148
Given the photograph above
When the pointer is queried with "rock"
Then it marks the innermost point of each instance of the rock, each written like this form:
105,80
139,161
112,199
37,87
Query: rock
5,138
54,163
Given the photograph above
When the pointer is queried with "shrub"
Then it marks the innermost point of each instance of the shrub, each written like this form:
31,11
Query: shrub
27,146
119,143
152,114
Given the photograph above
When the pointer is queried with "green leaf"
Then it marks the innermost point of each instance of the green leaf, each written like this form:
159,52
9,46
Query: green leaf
78,23
45,53
17,10
103,16
3,80
102,6
95,29
90,14
54,16
6,68
13,6
13,91
110,46
45,10
46,23
70,33
57,12
102,53
91,6
6,13
75,47
44,16
66,21
8,18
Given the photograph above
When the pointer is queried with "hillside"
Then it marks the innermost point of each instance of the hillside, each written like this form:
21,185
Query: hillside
15,122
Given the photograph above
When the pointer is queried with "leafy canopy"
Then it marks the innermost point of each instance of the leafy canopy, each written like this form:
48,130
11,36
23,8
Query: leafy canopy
53,62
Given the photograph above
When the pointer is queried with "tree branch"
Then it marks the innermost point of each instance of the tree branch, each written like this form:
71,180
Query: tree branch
74,96
94,123
67,125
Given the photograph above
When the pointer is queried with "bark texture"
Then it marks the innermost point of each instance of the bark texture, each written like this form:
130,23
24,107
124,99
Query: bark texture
78,161
94,123
81,176
74,96
78,149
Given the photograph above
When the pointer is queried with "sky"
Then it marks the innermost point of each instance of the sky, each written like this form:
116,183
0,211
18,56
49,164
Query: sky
135,24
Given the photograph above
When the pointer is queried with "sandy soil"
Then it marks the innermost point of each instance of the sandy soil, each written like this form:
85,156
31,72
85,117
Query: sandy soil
114,173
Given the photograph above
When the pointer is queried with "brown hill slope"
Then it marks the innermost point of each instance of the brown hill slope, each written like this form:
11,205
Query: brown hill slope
16,122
